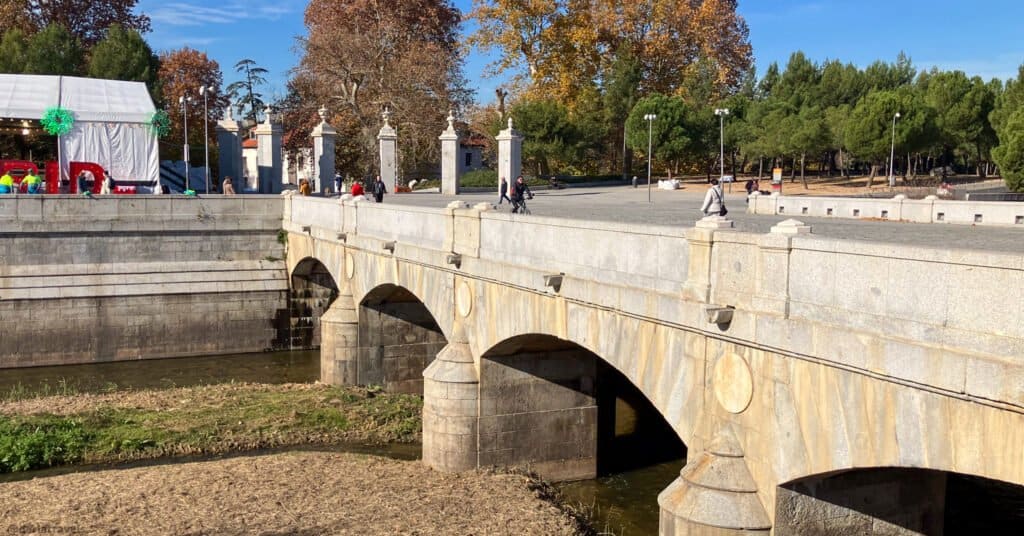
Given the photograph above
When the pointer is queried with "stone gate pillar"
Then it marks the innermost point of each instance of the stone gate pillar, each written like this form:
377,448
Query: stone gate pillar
451,392
715,495
229,149
450,167
339,334
268,155
388,138
510,154
323,152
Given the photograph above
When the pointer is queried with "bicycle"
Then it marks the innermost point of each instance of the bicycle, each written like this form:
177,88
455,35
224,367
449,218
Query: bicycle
519,206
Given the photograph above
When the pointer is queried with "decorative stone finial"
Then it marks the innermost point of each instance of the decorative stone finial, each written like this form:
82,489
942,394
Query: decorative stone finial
322,112
266,115
228,116
451,119
386,114
510,122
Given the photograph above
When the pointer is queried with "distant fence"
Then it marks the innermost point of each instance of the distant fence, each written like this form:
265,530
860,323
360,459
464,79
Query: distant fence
995,197
899,208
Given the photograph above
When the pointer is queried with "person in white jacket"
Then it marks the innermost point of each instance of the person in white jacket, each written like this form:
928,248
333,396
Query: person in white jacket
714,200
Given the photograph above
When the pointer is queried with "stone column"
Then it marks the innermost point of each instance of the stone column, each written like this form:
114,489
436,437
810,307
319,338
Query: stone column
772,290
450,168
339,333
388,138
229,147
323,152
701,239
715,495
268,155
451,392
510,151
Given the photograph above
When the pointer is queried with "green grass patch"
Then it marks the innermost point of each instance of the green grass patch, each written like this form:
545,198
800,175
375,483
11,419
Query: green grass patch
40,441
225,419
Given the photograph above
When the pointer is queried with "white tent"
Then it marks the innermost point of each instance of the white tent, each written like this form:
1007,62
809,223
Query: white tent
110,126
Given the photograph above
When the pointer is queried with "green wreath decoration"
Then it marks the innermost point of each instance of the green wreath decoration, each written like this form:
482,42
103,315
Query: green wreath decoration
159,124
57,121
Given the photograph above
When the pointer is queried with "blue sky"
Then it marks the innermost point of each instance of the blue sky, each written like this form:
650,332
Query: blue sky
950,34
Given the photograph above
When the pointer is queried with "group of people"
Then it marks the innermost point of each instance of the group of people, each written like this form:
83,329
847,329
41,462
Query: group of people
379,189
31,181
520,192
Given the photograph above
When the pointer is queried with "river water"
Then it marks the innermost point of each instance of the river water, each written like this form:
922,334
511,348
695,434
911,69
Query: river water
624,501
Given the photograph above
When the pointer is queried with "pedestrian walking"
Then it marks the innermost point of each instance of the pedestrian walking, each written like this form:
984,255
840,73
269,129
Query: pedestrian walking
337,183
503,189
714,201
379,189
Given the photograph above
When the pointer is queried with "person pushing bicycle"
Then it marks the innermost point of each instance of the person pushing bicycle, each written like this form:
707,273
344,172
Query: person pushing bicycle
520,192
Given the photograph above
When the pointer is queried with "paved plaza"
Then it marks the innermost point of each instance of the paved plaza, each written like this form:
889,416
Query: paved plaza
682,208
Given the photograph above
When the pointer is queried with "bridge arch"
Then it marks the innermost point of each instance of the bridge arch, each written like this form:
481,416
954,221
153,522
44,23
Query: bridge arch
398,337
897,500
312,291
566,412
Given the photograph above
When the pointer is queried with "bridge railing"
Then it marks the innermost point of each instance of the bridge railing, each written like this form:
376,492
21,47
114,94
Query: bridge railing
426,227
49,213
899,208
648,256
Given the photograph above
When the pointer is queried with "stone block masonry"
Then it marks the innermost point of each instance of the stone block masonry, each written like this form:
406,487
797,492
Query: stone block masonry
138,277
397,341
540,410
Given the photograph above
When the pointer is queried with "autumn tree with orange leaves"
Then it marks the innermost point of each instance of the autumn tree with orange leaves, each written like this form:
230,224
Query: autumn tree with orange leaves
86,20
558,45
361,56
182,73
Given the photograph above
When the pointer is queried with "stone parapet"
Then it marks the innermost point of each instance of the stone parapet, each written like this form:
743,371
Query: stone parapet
897,208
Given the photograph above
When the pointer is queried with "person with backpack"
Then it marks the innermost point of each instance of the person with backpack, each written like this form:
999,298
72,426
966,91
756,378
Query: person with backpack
520,193
379,189
714,201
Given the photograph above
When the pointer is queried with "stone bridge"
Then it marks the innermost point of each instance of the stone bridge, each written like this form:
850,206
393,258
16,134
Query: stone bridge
817,386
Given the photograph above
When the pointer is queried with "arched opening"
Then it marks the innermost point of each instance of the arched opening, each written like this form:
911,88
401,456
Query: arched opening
397,339
563,411
313,290
894,500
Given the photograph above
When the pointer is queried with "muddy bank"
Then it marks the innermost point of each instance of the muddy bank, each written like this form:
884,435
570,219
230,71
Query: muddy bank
290,493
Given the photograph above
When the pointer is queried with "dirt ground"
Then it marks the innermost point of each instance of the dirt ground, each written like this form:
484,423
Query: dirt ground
303,493
147,399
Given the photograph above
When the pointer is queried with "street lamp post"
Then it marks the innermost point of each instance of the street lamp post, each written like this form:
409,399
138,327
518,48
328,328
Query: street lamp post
650,126
892,151
721,113
184,114
205,91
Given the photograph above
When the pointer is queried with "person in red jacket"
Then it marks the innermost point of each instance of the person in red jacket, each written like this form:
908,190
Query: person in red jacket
357,189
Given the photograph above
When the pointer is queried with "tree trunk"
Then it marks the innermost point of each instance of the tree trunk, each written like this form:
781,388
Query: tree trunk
792,171
760,167
803,171
981,167
871,176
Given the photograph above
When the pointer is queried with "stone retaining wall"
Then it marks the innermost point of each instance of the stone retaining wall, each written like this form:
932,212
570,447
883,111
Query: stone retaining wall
135,277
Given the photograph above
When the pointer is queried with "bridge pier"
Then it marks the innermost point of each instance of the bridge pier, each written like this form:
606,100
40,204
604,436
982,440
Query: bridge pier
339,342
450,408
715,495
